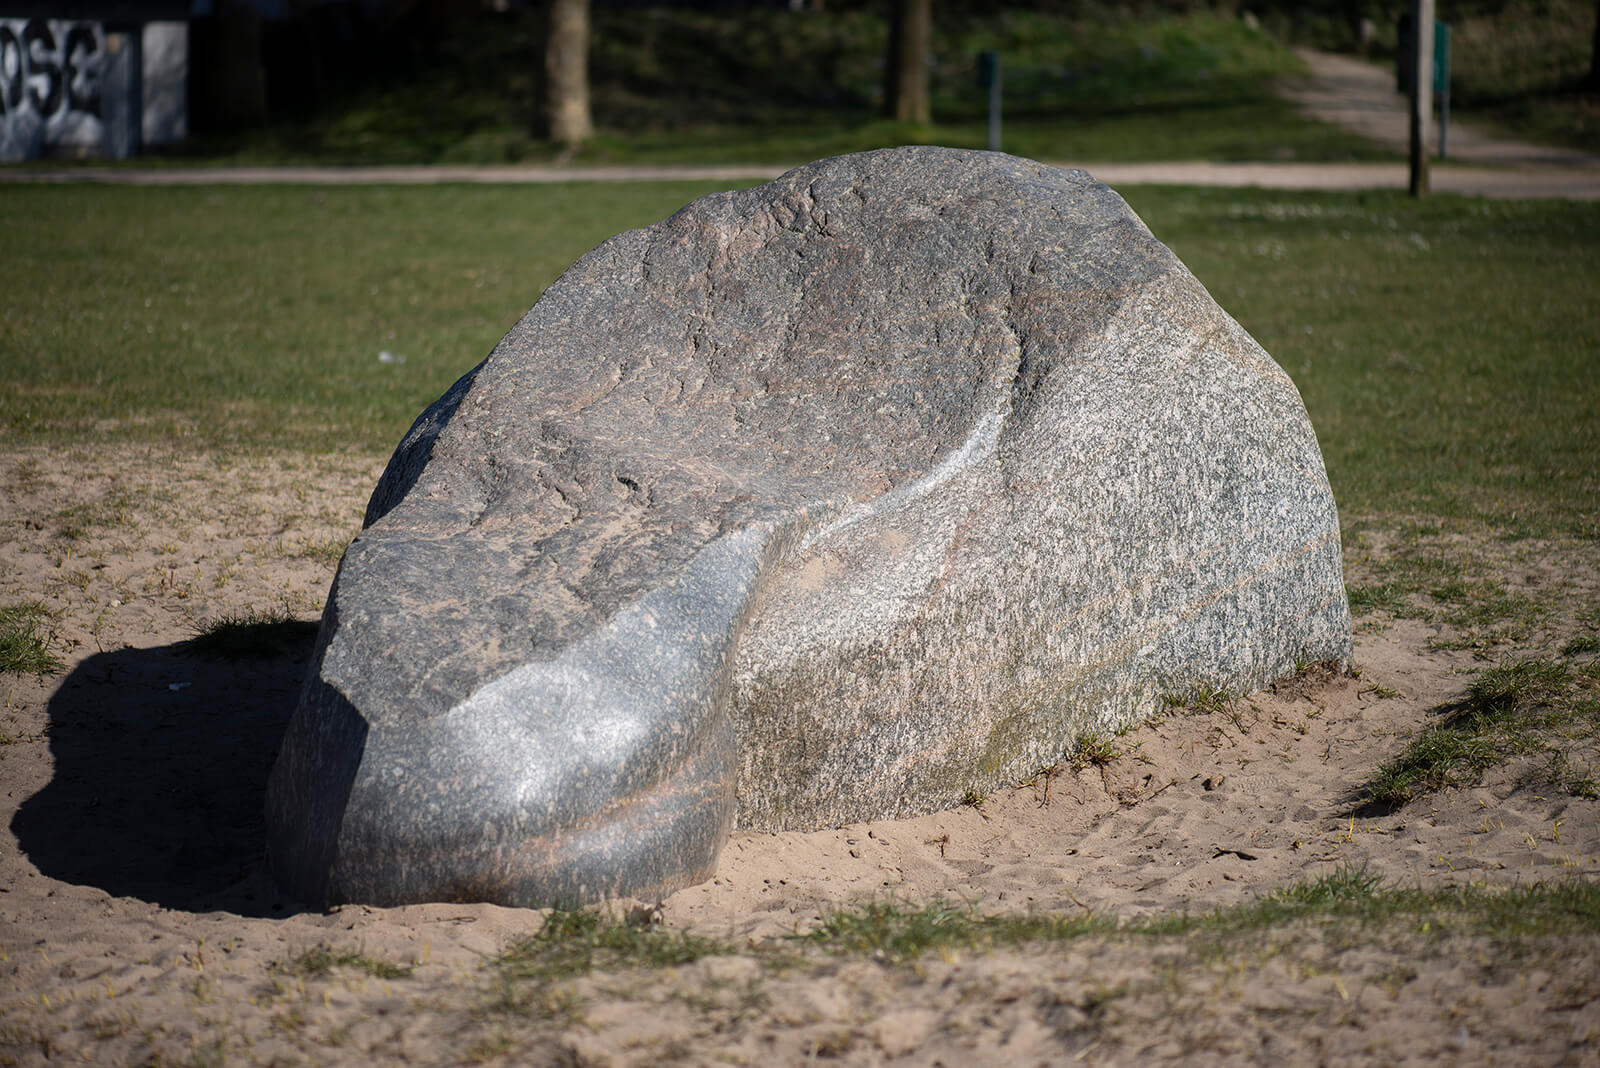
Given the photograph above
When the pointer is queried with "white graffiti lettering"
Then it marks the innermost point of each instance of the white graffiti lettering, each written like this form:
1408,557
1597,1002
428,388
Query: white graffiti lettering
50,86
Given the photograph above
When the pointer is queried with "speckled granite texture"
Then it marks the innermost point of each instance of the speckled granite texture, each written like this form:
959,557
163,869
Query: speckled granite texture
822,501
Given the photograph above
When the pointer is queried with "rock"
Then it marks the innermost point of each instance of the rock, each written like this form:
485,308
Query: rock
823,501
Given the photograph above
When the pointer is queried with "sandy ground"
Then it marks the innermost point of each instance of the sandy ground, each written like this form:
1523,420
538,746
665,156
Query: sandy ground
137,924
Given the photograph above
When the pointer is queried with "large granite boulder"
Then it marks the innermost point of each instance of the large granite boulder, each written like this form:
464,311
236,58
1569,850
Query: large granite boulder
827,500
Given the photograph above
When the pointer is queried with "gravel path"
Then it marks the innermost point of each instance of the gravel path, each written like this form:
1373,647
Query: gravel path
1528,181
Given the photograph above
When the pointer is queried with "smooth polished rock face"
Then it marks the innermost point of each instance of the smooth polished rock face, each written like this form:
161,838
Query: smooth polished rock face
823,501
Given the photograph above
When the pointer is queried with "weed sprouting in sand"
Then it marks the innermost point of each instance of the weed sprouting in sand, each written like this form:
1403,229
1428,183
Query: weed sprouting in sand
26,640
323,550
253,633
1207,698
321,960
575,942
1388,596
1096,749
894,932
1583,643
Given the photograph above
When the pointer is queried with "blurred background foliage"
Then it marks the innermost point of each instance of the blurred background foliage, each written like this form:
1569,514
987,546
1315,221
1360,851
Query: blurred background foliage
425,81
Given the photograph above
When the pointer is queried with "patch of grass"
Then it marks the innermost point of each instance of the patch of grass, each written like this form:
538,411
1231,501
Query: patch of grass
1210,699
323,550
1487,604
76,521
892,932
1583,643
1525,706
1462,579
1499,691
491,1047
1442,756
1584,786
253,633
1344,899
1344,893
26,640
1094,748
1207,699
320,961
1349,905
574,943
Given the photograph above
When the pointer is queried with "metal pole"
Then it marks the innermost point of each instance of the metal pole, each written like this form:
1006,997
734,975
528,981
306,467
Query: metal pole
994,107
1444,123
1421,92
1441,83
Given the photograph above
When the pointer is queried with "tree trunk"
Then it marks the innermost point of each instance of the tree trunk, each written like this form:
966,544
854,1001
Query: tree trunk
1421,92
566,72
910,38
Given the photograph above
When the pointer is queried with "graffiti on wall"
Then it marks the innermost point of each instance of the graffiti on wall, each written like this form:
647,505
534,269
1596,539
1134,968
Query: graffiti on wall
50,86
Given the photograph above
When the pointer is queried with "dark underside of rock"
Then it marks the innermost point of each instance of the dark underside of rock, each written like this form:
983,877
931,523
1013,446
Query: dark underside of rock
822,501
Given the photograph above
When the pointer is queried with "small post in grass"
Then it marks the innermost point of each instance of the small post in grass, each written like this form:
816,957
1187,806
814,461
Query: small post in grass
1421,92
989,78
1441,82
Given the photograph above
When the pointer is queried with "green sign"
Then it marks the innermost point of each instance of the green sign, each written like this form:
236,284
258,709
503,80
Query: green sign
1441,58
988,69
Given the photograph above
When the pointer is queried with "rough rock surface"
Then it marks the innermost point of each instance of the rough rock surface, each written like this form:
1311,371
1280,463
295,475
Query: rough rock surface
822,501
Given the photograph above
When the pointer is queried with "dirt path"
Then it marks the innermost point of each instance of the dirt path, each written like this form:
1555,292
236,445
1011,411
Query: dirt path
1361,97
1525,182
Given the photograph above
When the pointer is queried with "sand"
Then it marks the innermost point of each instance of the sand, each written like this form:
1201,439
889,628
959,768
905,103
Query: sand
137,924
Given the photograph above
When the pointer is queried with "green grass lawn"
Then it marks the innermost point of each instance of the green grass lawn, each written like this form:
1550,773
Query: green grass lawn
255,315
1445,348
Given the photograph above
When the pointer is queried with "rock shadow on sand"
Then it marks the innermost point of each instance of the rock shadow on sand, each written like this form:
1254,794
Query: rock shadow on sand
161,758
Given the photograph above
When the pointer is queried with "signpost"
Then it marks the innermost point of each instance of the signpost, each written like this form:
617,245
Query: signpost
989,78
1412,58
1441,80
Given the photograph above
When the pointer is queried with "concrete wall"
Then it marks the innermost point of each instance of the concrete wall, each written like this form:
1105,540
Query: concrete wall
166,82
81,88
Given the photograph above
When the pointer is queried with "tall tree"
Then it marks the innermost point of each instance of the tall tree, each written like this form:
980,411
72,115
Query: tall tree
910,39
566,73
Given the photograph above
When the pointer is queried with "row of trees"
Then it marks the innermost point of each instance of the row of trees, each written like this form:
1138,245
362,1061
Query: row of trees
566,67
906,89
